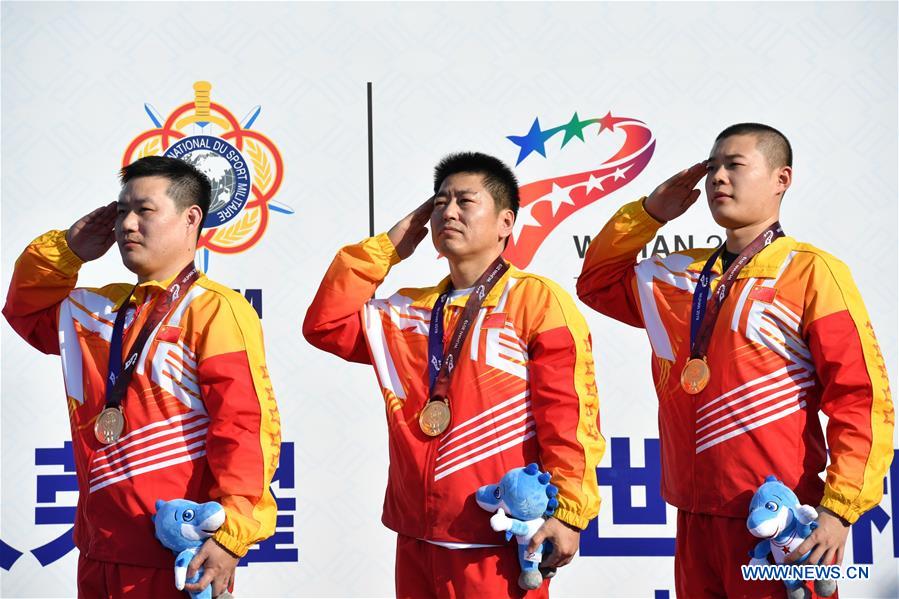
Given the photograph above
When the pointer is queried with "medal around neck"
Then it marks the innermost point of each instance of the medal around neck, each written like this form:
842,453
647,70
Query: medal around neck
696,373
109,425
695,376
435,418
110,422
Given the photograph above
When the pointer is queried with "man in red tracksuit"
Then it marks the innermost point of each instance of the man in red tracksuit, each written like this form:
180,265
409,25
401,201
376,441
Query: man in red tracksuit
522,387
742,376
198,418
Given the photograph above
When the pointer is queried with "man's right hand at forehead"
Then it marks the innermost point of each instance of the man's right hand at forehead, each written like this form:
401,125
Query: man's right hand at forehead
93,234
408,233
673,197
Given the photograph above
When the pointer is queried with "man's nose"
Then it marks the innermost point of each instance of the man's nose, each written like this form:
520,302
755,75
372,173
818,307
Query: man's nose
451,210
718,174
128,221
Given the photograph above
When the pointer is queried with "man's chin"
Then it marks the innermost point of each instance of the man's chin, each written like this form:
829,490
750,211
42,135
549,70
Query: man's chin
135,266
448,249
725,220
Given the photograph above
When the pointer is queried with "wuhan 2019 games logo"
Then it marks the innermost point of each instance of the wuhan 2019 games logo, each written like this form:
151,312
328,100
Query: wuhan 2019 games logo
244,166
548,202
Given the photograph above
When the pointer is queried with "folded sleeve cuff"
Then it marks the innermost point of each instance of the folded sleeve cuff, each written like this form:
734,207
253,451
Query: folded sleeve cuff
637,210
387,248
62,255
572,518
231,543
842,509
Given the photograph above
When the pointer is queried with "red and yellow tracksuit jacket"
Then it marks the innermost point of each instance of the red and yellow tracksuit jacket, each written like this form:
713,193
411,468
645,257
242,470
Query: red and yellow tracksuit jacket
792,338
525,392
201,418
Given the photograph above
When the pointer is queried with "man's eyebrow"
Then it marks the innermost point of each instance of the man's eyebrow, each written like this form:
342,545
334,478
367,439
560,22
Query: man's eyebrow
726,157
444,193
122,202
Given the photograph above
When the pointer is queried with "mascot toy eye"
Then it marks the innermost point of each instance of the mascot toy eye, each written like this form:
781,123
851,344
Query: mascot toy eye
520,502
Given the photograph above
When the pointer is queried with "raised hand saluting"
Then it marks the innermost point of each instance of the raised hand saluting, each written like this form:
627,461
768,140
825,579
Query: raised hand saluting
673,197
93,234
408,233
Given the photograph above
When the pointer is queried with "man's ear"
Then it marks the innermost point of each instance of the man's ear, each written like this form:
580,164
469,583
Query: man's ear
784,179
506,223
194,218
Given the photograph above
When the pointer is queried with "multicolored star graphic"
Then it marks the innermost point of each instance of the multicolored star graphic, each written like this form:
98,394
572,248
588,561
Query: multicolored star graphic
548,202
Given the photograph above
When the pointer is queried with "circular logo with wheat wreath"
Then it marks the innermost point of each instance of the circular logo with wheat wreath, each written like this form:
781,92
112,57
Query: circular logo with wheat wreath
243,165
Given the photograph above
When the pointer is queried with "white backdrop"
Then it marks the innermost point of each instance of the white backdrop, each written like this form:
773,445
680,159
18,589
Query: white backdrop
446,77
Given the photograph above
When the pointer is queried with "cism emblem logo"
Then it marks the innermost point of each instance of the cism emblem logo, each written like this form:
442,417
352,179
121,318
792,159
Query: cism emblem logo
243,165
548,202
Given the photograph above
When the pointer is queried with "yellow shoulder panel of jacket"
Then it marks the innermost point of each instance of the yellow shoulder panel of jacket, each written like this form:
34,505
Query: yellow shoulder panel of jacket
224,303
831,288
556,306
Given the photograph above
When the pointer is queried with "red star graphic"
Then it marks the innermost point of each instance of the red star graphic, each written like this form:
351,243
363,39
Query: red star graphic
607,122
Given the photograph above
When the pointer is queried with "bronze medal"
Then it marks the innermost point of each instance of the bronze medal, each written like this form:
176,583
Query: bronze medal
695,376
434,419
109,425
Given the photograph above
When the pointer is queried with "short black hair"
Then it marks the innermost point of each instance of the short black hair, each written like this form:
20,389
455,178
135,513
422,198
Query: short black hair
187,185
499,179
773,144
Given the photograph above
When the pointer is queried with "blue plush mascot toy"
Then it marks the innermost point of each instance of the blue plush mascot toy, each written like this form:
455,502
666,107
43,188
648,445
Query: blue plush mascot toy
522,501
777,517
183,526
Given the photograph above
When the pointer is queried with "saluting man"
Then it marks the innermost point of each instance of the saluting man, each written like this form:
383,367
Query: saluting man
749,342
167,389
488,370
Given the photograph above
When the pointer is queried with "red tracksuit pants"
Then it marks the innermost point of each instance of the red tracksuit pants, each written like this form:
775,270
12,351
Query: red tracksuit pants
106,580
708,553
424,570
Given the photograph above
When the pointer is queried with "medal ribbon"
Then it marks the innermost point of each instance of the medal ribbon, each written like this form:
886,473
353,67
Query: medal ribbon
703,316
120,372
440,369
